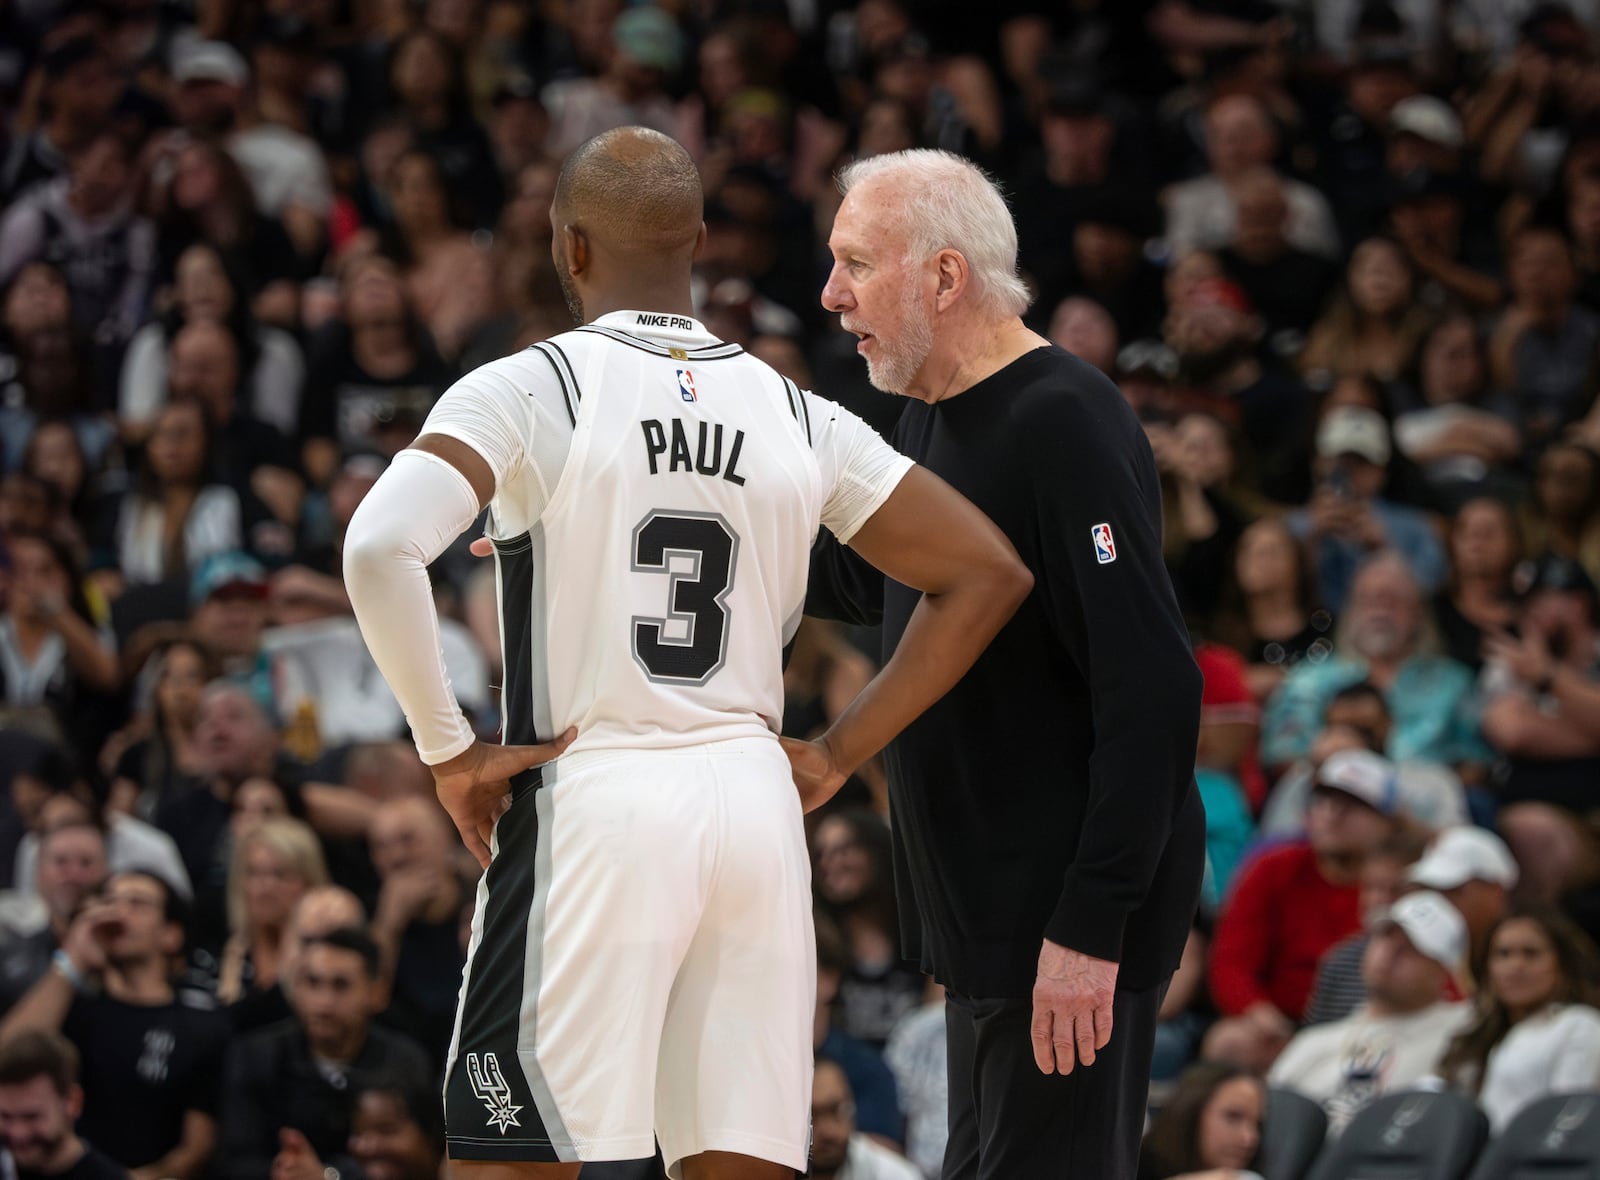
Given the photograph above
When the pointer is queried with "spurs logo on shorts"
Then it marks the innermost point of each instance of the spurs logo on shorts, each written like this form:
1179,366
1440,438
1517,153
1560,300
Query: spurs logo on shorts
490,1086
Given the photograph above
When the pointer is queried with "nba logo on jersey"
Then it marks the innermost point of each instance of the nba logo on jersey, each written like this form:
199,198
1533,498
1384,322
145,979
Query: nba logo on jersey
686,386
1105,549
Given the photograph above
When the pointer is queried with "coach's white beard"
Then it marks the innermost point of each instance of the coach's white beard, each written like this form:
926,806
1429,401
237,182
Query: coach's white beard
897,364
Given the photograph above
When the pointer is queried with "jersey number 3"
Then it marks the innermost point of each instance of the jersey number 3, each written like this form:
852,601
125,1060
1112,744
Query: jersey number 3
697,552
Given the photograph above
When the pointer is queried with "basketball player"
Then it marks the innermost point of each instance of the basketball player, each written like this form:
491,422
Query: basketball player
641,957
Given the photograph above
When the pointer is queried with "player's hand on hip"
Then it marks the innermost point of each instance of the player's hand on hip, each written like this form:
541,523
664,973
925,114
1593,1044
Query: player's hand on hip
816,776
475,786
1071,1008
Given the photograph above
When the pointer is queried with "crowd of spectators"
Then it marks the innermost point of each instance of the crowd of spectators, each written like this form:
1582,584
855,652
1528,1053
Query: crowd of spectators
1342,257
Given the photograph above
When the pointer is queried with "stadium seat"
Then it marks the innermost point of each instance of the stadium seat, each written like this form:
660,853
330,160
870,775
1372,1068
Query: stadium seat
1555,1138
1291,1135
1413,1135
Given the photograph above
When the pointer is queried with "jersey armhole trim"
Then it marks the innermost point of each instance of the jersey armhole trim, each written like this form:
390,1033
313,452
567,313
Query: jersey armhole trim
564,375
798,407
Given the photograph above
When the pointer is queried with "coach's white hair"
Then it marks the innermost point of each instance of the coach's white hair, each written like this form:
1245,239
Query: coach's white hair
949,203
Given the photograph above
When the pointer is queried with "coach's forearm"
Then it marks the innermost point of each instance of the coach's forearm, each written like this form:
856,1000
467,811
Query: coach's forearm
417,507
944,637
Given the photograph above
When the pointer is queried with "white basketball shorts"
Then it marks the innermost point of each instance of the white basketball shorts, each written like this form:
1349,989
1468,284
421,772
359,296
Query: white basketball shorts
642,965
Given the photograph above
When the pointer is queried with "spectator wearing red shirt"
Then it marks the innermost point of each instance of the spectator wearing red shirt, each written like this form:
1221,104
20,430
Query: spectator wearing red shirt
1291,904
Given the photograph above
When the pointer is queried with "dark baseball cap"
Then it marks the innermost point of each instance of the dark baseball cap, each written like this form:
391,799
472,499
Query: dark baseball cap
1551,571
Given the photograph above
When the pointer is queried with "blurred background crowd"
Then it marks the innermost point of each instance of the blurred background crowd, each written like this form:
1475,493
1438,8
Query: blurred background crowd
1342,257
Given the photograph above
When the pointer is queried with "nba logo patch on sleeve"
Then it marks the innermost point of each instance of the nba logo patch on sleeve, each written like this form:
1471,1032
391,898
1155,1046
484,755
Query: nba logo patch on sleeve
686,386
1105,549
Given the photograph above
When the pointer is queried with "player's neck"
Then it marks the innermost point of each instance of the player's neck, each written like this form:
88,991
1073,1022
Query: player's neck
671,299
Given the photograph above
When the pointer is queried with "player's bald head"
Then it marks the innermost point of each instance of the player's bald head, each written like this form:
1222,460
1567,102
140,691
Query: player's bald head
631,191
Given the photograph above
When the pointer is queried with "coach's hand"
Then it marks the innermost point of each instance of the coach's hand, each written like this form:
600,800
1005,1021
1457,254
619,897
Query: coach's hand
475,786
1071,1008
816,776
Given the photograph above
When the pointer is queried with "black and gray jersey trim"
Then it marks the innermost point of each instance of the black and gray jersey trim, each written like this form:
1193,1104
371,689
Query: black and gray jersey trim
564,374
798,407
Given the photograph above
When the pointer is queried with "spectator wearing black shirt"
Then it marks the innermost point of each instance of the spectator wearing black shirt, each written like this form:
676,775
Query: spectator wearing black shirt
373,375
1108,262
1045,890
1354,147
288,1087
1268,608
319,912
417,921
427,83
1550,752
210,200
1477,601
164,764
150,1062
1077,133
1215,332
40,1099
237,741
1287,283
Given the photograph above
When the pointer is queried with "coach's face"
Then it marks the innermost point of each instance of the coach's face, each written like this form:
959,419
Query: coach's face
881,290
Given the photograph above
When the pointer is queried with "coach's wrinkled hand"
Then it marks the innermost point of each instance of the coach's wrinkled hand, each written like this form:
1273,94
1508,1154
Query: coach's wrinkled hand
816,776
475,786
1071,1008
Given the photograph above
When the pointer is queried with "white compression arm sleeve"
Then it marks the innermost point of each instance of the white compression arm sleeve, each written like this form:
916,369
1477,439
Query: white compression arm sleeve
417,507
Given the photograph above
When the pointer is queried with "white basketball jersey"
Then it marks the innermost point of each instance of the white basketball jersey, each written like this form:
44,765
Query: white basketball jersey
657,494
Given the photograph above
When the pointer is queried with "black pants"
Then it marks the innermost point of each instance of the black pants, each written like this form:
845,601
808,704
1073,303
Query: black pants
1008,1121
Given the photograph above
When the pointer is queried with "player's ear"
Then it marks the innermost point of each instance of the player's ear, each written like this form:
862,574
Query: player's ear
700,242
577,249
954,275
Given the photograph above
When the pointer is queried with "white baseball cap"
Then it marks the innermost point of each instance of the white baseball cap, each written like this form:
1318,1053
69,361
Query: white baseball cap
1354,430
1367,776
1428,118
1433,926
1464,853
210,61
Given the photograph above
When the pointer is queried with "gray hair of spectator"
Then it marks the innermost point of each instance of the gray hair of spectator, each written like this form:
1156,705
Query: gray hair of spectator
39,1053
949,203
1426,641
232,688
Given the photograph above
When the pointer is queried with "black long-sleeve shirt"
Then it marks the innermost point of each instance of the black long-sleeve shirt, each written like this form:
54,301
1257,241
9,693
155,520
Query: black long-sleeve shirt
272,1081
1051,792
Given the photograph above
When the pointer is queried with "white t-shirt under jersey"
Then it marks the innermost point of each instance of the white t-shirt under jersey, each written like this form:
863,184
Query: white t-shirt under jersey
657,494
